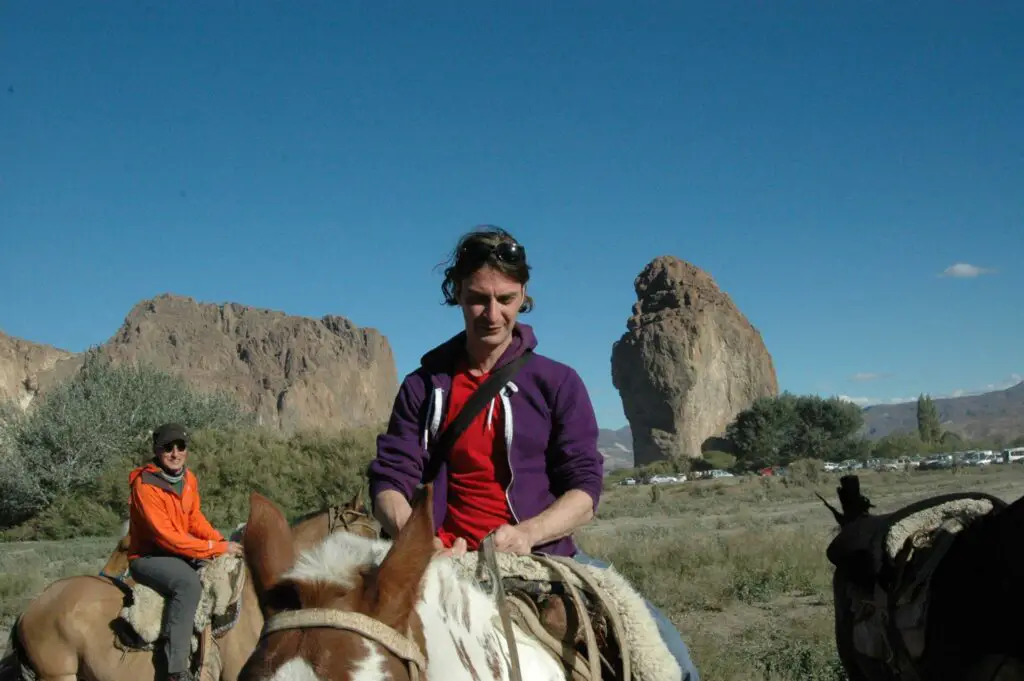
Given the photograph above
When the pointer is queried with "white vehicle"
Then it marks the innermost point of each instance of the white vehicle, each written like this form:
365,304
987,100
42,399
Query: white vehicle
976,459
1013,455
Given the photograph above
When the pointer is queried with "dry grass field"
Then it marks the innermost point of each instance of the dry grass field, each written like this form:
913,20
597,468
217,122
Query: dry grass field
737,563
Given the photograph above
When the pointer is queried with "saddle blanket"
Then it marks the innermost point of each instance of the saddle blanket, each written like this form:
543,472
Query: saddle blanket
921,527
219,606
650,659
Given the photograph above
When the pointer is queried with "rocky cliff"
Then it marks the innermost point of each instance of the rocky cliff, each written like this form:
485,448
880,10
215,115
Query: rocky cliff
26,368
293,372
688,362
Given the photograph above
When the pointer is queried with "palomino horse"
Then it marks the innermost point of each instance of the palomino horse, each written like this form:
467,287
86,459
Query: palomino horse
354,610
66,632
940,603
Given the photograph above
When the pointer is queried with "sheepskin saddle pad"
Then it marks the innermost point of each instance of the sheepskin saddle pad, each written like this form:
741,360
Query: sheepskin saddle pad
545,595
219,606
918,531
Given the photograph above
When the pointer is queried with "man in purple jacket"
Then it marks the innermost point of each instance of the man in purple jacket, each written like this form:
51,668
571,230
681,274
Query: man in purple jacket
544,453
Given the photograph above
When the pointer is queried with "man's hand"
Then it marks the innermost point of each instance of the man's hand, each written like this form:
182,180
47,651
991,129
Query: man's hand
235,549
458,547
513,539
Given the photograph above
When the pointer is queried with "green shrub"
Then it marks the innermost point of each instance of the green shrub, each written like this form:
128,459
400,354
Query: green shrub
301,474
74,434
721,460
807,472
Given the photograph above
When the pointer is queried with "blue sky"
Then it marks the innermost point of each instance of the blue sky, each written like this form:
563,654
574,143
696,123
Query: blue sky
825,162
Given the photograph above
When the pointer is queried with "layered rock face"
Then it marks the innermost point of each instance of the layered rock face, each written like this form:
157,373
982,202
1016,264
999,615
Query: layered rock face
688,363
26,368
293,372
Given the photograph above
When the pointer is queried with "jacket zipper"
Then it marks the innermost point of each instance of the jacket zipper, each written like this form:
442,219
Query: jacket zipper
435,415
506,404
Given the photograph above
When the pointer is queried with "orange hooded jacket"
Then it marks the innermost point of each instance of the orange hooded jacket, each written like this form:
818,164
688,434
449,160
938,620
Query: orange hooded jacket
162,523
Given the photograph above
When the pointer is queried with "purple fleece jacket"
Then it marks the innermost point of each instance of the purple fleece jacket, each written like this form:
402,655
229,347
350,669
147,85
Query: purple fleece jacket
551,438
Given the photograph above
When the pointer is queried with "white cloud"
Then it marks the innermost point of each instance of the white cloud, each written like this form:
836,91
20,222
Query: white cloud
869,376
962,270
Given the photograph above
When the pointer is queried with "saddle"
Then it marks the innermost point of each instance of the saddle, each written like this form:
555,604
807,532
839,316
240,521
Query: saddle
590,619
140,624
885,564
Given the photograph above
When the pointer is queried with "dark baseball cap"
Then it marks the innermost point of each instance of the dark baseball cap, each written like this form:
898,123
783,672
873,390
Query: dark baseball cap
168,433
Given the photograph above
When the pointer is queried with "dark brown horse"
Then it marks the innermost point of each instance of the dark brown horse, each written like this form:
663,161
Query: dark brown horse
967,578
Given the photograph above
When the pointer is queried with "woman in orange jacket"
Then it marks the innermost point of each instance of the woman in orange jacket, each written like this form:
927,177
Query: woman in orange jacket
170,538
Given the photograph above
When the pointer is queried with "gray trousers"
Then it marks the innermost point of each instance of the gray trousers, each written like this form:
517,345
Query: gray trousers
178,582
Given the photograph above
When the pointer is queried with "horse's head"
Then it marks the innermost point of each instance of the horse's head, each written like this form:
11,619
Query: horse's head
336,612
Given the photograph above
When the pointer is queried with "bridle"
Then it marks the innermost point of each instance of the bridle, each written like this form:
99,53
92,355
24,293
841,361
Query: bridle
400,645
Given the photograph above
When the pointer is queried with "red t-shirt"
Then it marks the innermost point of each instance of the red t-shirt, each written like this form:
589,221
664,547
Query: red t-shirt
478,470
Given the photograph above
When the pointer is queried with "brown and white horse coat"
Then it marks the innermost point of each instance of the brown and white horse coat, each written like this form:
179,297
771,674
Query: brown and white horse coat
403,585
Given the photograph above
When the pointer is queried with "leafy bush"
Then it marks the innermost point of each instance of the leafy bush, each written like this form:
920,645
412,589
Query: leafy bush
773,429
69,439
301,474
807,472
720,460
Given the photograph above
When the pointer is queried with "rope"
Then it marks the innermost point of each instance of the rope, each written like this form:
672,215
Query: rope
487,551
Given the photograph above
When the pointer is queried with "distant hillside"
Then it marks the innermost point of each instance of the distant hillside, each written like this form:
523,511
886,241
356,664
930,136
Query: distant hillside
976,416
617,448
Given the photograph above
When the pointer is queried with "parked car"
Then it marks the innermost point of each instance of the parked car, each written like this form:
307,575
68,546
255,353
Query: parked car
937,462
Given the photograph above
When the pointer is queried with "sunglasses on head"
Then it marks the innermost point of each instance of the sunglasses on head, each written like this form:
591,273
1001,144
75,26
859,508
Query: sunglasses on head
170,446
508,252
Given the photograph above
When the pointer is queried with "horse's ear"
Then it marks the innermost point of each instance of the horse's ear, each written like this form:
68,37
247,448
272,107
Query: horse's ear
269,551
396,588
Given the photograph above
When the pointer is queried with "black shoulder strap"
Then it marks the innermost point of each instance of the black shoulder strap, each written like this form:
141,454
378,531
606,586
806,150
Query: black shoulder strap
474,405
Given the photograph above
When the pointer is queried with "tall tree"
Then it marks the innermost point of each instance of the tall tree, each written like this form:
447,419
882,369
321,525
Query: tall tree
928,427
776,430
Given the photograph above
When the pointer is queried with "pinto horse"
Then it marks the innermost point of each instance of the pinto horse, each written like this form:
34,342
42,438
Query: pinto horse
357,610
975,593
66,633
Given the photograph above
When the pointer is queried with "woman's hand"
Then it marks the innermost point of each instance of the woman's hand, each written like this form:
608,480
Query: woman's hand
458,547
